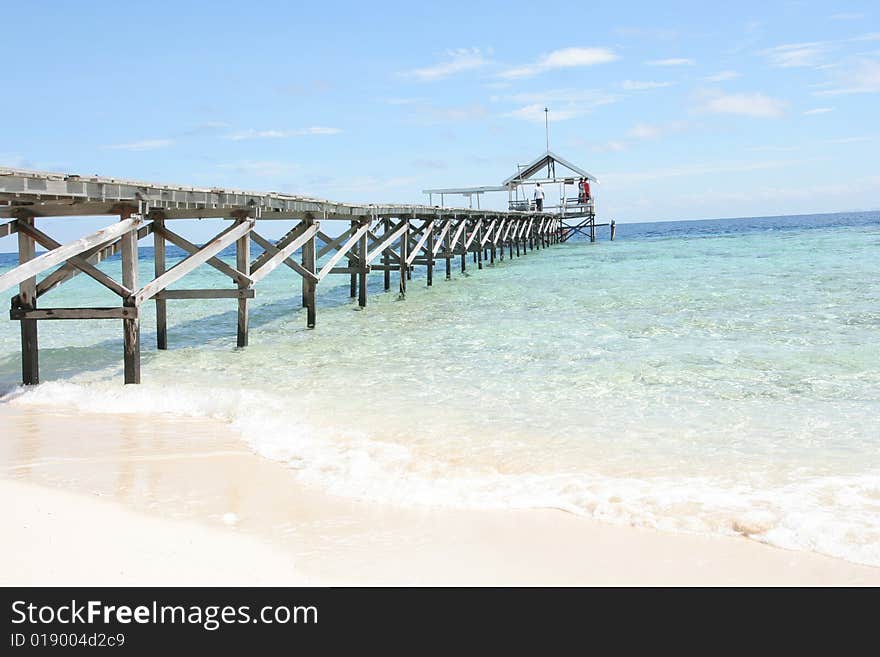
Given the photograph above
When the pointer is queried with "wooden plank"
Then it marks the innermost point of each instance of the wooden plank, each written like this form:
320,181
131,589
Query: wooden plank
290,262
215,262
209,293
284,248
421,241
336,257
76,261
120,312
182,268
398,230
51,258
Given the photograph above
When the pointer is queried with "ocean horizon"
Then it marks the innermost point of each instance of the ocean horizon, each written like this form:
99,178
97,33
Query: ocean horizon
716,376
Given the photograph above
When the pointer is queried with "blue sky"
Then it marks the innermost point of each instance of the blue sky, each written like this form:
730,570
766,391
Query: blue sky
682,110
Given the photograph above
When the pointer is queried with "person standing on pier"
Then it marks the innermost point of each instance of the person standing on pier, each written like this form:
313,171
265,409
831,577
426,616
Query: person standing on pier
539,197
585,190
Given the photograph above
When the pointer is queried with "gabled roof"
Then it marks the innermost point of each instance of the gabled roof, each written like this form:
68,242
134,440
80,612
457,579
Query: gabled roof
533,167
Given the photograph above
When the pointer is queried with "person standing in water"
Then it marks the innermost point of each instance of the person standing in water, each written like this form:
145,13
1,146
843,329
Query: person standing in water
539,198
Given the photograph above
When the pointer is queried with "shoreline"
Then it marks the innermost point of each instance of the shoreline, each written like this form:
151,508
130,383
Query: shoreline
183,501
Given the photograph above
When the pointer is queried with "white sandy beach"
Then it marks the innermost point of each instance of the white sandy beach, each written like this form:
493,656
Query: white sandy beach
106,500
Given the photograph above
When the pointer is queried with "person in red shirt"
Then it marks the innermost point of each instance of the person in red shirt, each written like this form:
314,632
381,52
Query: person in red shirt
585,190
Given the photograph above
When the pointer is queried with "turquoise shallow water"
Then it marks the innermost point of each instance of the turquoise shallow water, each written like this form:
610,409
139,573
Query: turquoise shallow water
713,377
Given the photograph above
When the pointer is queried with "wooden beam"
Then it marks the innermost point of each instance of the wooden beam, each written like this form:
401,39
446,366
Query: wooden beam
77,261
488,233
344,249
398,230
473,234
421,242
286,246
93,256
215,262
290,262
122,312
210,293
8,228
438,244
63,253
182,268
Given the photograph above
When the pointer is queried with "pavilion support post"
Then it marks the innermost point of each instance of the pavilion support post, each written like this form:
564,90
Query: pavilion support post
516,239
409,246
404,254
243,264
159,269
386,258
131,327
27,300
592,229
430,251
363,268
309,285
613,229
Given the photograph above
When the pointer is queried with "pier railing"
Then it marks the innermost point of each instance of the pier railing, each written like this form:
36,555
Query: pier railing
374,238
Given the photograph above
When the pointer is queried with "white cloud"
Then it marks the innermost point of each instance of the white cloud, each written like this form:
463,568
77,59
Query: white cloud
283,134
458,61
722,76
699,170
654,130
863,77
560,59
612,146
637,85
564,104
797,54
818,110
745,104
144,145
261,168
681,61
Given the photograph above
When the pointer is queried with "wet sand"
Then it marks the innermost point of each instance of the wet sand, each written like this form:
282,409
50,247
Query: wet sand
111,499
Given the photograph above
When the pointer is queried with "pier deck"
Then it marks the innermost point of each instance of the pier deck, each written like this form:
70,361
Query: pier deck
375,237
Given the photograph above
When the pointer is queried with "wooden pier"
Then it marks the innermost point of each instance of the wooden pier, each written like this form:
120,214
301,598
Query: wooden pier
392,239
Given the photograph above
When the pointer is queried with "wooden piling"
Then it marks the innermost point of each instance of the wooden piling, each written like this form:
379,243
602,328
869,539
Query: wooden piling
131,327
386,257
159,269
363,269
309,285
243,264
613,229
27,299
404,254
430,250
352,282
